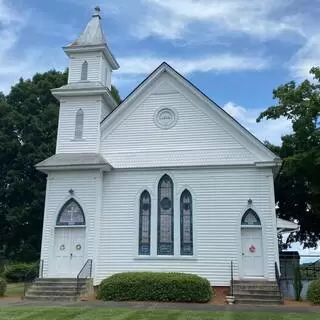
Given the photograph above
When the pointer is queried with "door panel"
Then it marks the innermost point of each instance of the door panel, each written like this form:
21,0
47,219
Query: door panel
62,253
252,252
76,250
69,251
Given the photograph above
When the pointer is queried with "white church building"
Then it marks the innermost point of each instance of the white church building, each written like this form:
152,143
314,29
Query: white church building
165,181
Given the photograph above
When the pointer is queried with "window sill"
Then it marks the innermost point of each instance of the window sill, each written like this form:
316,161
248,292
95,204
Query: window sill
78,139
70,226
190,258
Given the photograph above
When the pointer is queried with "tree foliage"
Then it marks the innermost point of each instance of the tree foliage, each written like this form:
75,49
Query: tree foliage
28,130
297,187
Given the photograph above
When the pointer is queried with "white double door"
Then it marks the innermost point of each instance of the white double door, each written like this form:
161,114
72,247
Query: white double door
69,251
252,253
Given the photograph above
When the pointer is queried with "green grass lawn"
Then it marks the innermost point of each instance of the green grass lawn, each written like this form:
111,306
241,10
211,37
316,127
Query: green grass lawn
134,314
14,290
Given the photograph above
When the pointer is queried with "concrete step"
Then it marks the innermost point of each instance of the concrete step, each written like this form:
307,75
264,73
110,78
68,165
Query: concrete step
60,284
263,293
256,301
257,292
34,292
57,279
52,288
253,287
254,282
57,289
51,298
257,296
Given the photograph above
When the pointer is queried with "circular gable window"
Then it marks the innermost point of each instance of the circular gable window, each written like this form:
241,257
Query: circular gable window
166,118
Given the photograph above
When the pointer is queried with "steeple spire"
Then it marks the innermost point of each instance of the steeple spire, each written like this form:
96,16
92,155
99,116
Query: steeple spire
93,39
96,12
93,33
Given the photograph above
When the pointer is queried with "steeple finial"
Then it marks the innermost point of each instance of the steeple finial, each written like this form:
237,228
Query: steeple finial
96,12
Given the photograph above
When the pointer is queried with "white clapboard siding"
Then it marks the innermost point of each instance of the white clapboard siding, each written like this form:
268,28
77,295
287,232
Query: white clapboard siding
94,66
198,138
92,108
220,197
106,73
85,185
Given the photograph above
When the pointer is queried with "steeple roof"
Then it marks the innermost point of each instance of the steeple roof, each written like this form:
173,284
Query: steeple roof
93,34
92,39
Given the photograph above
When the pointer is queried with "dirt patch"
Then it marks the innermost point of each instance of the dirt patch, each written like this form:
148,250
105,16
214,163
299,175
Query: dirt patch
293,303
220,294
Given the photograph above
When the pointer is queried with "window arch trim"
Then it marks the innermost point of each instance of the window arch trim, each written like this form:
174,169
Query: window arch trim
165,228
250,218
84,71
66,218
78,132
145,223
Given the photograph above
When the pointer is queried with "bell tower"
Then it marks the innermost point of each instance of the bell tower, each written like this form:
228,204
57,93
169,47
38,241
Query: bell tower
86,99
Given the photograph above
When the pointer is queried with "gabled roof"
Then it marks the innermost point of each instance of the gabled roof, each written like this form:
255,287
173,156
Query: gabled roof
284,226
165,67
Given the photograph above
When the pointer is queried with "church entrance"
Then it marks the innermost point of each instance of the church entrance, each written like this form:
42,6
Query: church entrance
69,240
252,247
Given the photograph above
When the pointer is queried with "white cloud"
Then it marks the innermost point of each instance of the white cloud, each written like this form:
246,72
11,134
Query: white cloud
255,18
16,63
164,28
306,58
217,63
270,130
207,22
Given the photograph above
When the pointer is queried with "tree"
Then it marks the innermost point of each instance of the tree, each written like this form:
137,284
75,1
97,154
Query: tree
28,129
297,187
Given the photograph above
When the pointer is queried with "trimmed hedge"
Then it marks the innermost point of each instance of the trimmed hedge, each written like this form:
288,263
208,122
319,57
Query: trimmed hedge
3,287
313,293
19,272
155,286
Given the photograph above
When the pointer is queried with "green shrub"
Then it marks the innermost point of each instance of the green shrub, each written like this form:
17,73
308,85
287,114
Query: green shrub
155,286
19,272
297,282
3,286
313,293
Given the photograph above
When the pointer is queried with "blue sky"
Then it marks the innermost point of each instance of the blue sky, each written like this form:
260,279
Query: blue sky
236,51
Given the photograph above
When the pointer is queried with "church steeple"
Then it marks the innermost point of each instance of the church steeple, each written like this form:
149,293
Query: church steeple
91,49
87,98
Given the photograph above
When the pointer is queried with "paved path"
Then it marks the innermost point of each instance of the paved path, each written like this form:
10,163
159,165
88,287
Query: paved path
157,305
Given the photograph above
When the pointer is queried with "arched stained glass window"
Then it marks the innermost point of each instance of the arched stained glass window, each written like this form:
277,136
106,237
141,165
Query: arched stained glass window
84,71
250,218
186,232
165,216
144,223
71,214
78,133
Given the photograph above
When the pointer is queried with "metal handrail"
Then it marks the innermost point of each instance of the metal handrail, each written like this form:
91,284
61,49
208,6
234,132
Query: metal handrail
31,277
84,273
231,281
41,268
277,274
